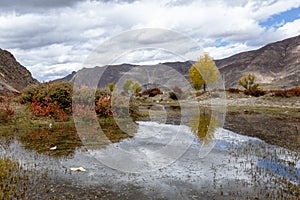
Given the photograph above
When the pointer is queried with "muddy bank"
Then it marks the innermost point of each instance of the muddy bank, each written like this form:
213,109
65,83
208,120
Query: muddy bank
275,125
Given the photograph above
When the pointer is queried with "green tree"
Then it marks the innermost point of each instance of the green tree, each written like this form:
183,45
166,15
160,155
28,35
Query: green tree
204,72
133,87
111,86
136,88
248,83
127,85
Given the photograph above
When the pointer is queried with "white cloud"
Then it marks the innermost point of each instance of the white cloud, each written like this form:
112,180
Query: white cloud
53,39
224,51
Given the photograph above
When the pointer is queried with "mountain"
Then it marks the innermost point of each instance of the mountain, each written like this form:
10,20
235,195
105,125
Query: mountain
13,76
115,73
275,65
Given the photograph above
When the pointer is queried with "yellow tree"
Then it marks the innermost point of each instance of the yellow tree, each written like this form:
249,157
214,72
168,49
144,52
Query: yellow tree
111,86
204,72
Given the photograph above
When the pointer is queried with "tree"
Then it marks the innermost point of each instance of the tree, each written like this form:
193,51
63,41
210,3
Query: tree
127,85
136,88
111,86
247,82
196,78
204,72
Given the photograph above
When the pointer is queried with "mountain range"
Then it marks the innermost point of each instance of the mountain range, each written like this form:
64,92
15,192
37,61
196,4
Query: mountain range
276,65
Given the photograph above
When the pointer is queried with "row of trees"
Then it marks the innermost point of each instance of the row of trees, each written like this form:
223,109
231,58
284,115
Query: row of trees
202,73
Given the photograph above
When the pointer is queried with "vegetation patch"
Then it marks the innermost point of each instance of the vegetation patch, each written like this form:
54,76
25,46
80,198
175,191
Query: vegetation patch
14,180
286,93
7,112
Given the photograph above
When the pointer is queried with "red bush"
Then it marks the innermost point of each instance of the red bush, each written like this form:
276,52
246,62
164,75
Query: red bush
233,90
47,109
6,111
152,92
198,94
287,93
255,93
103,107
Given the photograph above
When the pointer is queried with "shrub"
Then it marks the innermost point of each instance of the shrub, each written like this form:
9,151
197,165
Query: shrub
152,92
233,90
48,109
198,94
255,93
177,90
49,100
6,111
287,93
103,107
172,95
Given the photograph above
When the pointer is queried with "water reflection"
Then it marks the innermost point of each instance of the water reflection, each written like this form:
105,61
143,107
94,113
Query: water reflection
57,141
204,125
236,169
61,140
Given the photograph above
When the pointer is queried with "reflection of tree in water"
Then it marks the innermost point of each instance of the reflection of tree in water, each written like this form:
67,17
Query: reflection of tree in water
64,137
204,126
114,133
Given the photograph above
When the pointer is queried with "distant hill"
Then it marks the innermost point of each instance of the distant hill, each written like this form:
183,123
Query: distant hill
276,65
13,76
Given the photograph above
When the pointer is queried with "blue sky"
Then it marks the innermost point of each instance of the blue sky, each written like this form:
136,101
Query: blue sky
279,19
54,39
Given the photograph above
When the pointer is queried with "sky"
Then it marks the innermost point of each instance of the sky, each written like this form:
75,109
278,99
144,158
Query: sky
54,38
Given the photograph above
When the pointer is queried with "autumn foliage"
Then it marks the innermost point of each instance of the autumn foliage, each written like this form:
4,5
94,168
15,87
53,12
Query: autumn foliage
7,112
53,100
204,72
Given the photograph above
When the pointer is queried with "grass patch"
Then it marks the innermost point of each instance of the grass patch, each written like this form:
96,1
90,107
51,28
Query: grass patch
14,180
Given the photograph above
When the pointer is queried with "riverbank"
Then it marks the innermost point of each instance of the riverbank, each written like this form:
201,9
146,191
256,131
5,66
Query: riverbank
275,120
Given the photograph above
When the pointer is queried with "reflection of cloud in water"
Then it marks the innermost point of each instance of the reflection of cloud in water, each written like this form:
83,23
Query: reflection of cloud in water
154,146
235,157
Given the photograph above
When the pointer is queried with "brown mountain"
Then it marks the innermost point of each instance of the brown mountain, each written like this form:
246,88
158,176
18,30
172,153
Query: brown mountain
275,65
13,76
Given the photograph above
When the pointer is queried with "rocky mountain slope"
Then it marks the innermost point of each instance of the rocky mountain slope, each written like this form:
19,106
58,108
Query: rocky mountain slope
13,76
275,65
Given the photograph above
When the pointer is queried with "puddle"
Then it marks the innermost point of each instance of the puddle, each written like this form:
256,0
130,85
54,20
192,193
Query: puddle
236,167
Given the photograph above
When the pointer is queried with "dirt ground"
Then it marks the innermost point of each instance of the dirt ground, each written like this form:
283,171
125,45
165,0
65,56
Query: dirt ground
279,126
275,120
